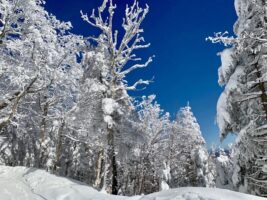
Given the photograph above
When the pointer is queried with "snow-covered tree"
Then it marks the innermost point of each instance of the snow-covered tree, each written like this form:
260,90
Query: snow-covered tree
242,107
39,73
224,170
109,65
151,162
29,41
65,107
188,156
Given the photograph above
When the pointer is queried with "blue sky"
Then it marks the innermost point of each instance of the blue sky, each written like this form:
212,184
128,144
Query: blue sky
185,67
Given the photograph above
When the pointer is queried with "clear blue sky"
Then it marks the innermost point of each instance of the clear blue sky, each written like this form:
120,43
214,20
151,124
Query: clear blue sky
185,67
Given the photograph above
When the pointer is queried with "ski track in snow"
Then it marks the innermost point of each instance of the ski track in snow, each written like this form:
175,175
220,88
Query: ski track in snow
20,183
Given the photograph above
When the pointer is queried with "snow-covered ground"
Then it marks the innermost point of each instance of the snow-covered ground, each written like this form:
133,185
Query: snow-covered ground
20,183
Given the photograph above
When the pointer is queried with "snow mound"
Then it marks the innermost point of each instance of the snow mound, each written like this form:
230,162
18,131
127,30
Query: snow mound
20,183
191,193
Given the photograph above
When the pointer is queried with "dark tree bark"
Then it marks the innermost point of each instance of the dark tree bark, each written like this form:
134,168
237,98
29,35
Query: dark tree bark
113,163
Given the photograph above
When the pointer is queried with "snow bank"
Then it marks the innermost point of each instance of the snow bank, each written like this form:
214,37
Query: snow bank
200,194
20,183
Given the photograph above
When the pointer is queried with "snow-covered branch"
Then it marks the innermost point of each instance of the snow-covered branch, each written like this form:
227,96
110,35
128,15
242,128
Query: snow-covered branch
222,38
121,52
136,66
139,82
16,102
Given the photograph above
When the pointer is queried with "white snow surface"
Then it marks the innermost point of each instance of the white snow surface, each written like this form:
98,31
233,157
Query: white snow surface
109,106
227,66
20,183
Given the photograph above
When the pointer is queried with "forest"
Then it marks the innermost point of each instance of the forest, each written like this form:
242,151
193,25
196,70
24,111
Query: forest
66,108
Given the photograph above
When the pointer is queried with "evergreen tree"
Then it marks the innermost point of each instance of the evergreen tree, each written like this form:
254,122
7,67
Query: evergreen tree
154,125
242,107
188,156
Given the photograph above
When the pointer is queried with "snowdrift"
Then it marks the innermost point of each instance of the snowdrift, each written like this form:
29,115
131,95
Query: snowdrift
20,183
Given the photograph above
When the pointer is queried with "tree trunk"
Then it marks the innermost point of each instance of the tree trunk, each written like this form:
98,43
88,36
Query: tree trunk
99,164
43,132
43,123
113,163
262,88
59,146
16,103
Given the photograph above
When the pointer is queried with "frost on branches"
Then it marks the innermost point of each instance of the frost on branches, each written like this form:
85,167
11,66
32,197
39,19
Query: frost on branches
242,107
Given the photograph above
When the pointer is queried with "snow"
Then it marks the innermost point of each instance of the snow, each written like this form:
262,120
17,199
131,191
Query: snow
109,106
95,87
202,155
227,66
166,176
224,107
264,168
17,183
224,172
164,186
199,194
108,119
238,7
